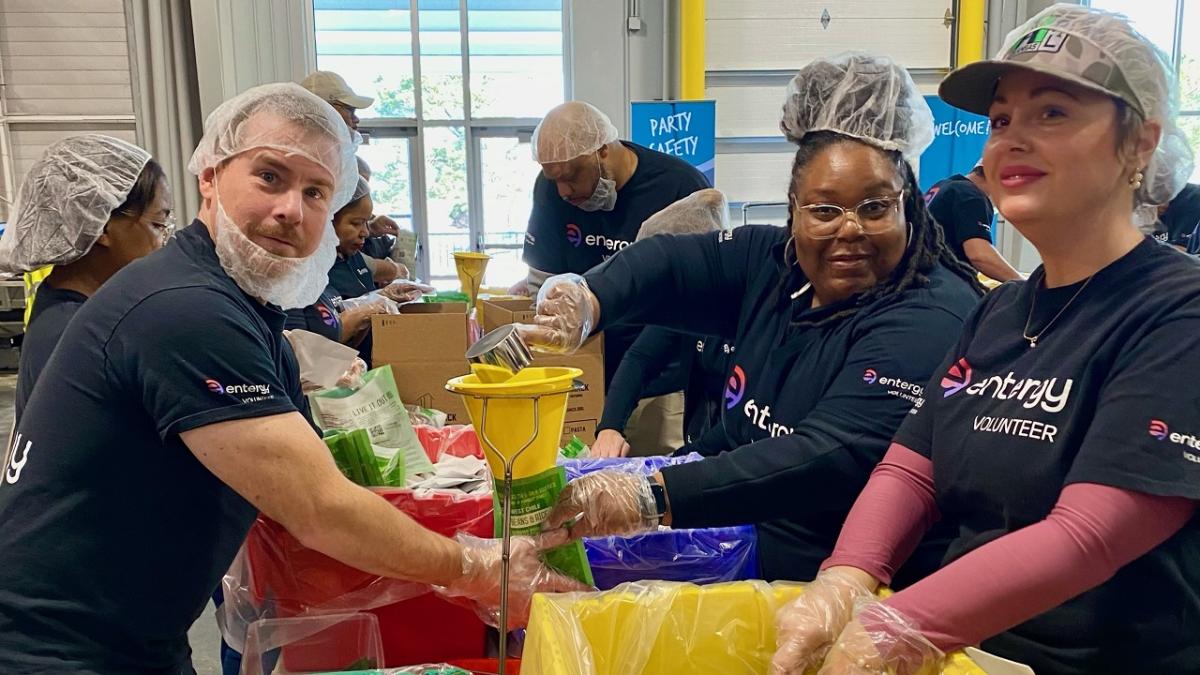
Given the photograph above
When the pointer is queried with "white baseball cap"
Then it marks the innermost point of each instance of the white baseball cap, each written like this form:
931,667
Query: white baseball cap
331,87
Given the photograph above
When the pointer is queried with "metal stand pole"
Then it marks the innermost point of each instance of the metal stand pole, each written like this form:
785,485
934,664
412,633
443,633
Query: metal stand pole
506,495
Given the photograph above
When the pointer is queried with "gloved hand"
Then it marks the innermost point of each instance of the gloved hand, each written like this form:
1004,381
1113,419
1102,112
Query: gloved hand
602,504
353,377
881,640
566,313
379,225
808,627
610,443
480,581
371,303
403,290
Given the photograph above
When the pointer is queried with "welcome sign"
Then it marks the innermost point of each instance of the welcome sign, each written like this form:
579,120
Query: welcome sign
958,140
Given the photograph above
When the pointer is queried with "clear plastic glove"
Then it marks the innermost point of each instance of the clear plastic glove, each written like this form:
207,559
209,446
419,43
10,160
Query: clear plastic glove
601,504
403,290
480,581
566,313
881,640
809,625
610,443
371,303
380,225
353,377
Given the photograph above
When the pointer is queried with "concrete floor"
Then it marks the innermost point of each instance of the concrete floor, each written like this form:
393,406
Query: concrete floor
204,636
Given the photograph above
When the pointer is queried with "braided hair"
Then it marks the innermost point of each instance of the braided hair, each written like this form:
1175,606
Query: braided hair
927,246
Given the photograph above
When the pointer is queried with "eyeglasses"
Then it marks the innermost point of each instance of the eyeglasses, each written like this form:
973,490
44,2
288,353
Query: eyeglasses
873,216
165,228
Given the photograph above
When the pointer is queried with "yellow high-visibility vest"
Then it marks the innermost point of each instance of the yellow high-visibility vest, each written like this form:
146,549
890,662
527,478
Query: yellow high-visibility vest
32,281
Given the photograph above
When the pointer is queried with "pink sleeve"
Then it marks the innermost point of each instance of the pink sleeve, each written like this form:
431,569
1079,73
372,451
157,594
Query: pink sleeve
894,511
1092,532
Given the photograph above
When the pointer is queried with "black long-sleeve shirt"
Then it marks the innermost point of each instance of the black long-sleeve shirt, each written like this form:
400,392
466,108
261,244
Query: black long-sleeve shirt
662,361
813,398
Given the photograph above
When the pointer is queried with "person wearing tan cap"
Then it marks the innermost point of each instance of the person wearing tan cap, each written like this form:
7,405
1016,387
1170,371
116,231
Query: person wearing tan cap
333,89
1060,433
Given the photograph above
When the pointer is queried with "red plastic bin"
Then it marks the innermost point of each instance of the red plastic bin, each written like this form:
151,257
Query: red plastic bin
420,629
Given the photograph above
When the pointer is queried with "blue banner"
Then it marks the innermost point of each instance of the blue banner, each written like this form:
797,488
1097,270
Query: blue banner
958,140
685,129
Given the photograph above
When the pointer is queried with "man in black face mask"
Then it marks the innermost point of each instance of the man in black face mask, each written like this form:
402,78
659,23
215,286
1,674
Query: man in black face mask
590,200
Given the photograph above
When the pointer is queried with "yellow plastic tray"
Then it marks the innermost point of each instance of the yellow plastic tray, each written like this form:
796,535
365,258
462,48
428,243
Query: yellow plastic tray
664,628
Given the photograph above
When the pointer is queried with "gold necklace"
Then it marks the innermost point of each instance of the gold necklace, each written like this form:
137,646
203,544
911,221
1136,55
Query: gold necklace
1033,305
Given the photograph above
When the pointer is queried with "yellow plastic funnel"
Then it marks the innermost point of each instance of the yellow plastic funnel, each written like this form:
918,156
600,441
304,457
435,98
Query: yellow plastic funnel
470,267
510,423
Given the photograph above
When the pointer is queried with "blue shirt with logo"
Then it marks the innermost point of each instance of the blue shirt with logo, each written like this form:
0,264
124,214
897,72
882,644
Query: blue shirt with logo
564,238
1107,396
114,534
812,396
321,317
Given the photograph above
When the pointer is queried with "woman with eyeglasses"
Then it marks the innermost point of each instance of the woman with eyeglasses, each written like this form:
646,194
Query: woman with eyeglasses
1062,439
839,320
89,206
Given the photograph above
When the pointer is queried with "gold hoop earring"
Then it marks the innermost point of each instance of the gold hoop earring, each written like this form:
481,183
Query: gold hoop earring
1135,181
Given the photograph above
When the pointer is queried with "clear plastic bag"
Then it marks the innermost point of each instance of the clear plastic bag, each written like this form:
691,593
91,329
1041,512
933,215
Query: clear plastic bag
275,576
644,466
315,644
665,628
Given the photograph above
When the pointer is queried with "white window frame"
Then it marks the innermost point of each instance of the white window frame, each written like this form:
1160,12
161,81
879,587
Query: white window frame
475,128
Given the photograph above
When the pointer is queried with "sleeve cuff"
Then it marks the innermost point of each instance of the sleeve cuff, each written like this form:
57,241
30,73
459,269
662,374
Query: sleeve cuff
685,490
227,414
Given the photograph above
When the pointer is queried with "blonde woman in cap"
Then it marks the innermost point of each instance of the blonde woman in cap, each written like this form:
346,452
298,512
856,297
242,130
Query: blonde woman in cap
90,205
1060,433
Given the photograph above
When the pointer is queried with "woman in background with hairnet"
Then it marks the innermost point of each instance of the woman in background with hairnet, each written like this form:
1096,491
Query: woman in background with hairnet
1063,441
90,205
662,361
838,321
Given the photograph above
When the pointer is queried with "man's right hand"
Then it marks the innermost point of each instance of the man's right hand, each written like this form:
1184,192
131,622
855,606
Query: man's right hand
480,580
610,443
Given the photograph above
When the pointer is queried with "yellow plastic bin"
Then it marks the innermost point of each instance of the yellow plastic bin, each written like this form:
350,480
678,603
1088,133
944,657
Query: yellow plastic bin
510,415
665,628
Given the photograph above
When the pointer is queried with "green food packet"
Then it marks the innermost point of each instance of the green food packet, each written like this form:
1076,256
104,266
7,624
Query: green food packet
354,456
447,296
377,408
532,499
574,448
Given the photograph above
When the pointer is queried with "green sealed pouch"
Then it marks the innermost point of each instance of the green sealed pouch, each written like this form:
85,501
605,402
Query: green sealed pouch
355,457
532,499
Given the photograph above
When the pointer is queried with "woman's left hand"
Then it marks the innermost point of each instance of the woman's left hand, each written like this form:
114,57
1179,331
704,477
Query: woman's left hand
881,641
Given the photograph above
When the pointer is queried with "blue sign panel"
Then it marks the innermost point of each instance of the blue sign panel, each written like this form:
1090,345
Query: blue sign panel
686,129
958,140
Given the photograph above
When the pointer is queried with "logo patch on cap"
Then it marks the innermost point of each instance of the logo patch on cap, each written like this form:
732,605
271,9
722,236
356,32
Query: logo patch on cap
1040,40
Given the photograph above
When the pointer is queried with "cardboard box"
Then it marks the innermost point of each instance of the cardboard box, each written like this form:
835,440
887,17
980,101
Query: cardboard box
426,344
584,407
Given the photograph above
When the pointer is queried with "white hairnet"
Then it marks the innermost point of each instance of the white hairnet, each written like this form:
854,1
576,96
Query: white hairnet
700,212
361,189
307,127
860,95
66,200
571,130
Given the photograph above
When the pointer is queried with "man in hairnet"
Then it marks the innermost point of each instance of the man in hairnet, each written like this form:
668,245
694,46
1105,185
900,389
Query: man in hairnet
184,419
591,197
662,360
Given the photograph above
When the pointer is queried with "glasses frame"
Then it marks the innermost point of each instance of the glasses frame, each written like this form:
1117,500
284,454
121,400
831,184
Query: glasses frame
893,202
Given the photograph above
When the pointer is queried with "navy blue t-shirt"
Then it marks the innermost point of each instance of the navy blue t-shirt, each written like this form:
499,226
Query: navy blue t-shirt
564,238
114,535
52,311
321,317
1107,396
962,210
350,277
